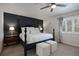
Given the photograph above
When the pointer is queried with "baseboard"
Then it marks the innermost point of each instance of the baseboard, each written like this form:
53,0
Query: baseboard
70,44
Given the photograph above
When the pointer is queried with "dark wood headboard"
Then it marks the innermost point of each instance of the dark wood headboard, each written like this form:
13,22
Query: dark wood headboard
30,22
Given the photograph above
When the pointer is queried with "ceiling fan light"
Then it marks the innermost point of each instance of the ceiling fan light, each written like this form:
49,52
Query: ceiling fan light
53,6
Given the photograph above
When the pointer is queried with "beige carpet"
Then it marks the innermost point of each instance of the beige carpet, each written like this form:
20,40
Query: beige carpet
63,50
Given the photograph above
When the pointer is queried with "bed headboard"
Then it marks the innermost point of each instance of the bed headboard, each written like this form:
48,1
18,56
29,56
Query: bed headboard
29,22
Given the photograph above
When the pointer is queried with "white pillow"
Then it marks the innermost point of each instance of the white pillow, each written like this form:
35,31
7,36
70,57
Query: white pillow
22,29
35,30
30,30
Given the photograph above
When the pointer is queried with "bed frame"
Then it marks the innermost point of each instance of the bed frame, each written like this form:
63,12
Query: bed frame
30,22
33,45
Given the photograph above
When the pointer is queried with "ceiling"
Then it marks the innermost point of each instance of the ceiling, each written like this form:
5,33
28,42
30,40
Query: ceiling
35,8
71,7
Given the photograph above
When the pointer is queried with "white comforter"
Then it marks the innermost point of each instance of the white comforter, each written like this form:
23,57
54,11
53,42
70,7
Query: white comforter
31,38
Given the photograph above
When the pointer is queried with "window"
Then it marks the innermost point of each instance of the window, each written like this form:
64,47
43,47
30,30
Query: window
76,25
63,26
70,24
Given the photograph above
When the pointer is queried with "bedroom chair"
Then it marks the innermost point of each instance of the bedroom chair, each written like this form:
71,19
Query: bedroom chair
43,49
53,45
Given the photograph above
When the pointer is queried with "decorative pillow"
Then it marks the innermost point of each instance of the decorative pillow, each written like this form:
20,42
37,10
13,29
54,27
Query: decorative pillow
35,30
30,30
22,29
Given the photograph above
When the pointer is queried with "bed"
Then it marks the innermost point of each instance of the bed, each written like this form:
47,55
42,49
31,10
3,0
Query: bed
30,36
30,33
34,35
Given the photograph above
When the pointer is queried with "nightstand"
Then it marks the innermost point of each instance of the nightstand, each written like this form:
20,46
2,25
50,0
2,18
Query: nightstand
11,40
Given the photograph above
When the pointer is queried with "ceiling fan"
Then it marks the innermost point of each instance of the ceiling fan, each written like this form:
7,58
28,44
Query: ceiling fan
53,5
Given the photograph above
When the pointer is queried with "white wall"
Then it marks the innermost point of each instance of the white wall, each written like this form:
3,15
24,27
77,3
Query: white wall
71,39
1,30
51,24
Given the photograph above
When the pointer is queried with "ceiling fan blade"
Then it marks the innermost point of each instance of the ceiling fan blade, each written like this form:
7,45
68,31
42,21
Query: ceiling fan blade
44,7
51,10
61,5
53,3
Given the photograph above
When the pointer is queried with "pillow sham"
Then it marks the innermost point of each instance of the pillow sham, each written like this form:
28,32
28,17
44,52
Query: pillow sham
35,30
30,30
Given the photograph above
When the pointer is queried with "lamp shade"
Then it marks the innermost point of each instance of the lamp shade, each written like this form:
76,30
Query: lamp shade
53,6
40,28
12,28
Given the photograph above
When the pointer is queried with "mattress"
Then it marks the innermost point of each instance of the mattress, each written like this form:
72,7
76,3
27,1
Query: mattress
32,38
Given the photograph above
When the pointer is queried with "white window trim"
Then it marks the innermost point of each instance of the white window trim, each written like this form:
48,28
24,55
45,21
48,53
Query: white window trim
73,25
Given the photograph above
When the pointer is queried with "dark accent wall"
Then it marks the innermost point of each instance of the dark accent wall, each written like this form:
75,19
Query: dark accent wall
19,21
